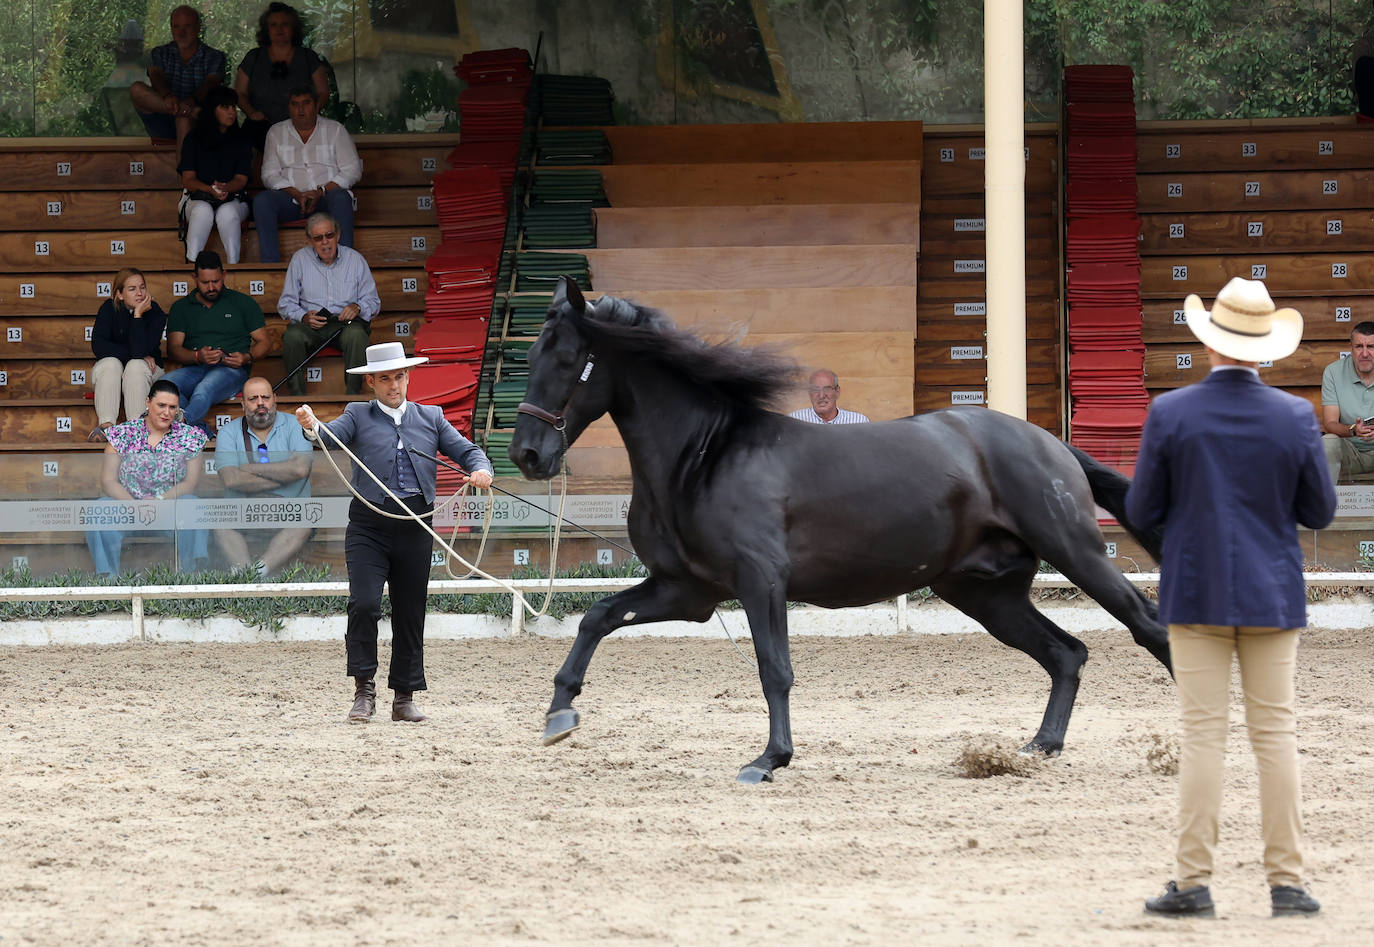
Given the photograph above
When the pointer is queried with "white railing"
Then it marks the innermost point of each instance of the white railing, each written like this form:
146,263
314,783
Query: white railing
138,594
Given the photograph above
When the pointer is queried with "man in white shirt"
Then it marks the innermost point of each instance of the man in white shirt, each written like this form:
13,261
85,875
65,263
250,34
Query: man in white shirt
825,402
329,296
309,163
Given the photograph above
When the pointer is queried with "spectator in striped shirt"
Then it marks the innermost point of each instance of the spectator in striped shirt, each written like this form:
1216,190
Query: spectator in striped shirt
825,402
329,296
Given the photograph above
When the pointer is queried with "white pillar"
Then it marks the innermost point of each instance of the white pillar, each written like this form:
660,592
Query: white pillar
1005,171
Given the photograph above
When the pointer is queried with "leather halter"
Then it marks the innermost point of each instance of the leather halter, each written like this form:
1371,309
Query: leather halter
558,421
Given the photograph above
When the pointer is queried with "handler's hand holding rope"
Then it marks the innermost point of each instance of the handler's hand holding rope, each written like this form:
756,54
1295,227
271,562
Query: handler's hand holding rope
478,479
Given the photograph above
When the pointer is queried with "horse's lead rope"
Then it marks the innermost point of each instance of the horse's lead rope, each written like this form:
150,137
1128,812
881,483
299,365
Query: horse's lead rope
473,567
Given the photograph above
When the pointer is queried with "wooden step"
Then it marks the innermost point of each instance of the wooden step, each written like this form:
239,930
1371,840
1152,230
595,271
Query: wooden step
1044,406
965,363
759,225
49,250
1324,317
1042,206
1169,365
116,164
1258,232
401,288
796,182
70,377
1254,190
1208,150
971,288
43,337
767,142
1285,274
727,313
937,321
157,210
622,272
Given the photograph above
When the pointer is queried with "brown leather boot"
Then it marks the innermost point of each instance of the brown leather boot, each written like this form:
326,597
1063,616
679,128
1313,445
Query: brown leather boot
364,700
403,708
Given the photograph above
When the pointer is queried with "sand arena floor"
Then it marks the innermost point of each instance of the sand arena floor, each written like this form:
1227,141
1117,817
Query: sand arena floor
171,794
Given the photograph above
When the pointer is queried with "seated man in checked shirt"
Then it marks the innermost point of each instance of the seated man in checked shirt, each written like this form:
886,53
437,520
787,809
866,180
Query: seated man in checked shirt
329,296
308,164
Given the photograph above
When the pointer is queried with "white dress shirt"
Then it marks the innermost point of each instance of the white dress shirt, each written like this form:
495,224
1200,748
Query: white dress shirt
329,155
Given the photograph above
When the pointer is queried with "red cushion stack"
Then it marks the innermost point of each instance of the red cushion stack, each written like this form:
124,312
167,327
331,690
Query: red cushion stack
1107,353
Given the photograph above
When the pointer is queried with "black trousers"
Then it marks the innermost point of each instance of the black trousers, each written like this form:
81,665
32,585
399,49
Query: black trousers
380,550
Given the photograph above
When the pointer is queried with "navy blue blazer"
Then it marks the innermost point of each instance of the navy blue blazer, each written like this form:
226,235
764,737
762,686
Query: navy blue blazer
371,434
1230,466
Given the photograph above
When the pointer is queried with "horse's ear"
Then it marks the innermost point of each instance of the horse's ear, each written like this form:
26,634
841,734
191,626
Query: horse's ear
568,292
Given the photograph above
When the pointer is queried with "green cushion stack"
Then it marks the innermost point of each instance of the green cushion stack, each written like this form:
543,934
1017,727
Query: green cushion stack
573,146
537,272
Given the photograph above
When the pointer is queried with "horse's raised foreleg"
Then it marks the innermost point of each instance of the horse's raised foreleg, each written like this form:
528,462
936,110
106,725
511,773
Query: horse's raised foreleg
766,608
652,600
1001,604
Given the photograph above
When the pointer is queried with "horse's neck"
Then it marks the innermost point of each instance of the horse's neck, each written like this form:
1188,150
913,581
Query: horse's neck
662,419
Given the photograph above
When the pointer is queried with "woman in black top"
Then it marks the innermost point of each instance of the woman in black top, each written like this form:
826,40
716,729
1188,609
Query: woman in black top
127,343
216,160
277,65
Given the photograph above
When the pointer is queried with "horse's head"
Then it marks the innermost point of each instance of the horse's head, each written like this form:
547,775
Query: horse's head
565,393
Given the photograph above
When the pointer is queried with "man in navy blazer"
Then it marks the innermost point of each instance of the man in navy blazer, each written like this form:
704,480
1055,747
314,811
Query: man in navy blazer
1230,467
389,546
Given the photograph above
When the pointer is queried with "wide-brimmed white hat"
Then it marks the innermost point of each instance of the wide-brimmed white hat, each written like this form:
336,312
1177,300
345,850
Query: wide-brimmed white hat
1243,323
387,357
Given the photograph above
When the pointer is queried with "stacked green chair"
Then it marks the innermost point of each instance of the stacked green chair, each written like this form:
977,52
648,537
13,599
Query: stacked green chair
573,146
574,100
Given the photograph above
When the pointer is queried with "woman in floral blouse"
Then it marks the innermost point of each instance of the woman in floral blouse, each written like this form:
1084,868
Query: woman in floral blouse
151,458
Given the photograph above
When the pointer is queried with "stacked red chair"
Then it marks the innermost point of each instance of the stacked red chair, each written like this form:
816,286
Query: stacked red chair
493,104
1106,350
471,205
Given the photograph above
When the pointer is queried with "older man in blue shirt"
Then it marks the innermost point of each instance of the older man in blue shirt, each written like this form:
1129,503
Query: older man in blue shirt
1230,467
390,437
329,294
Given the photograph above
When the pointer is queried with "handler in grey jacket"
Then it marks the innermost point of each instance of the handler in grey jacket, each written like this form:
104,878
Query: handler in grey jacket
396,551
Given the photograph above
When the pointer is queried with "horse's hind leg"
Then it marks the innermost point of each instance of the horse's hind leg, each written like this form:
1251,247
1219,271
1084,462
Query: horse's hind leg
1088,567
1001,604
652,600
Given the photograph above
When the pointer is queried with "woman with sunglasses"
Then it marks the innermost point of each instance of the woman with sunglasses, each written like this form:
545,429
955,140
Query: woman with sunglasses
278,64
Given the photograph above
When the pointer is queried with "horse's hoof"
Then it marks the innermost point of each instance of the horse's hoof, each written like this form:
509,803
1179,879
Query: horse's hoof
753,775
1035,749
559,724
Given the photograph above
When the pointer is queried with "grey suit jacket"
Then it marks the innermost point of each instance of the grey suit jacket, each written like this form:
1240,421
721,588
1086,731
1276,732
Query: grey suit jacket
370,433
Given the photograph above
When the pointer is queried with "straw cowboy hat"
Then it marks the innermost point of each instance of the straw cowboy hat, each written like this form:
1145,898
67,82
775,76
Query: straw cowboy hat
1243,323
386,357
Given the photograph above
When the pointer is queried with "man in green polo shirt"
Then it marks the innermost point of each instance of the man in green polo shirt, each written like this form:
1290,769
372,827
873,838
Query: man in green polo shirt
216,334
1347,406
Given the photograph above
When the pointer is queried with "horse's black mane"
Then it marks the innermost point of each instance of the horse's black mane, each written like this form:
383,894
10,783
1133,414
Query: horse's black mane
754,377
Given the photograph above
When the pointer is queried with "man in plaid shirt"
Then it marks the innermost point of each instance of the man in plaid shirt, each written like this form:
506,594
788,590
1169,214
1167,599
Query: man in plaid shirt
179,75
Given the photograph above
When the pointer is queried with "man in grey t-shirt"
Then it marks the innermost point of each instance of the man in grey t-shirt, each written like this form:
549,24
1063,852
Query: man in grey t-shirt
1347,402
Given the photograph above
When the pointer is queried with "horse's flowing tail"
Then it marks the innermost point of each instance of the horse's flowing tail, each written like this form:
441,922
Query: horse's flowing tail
1109,490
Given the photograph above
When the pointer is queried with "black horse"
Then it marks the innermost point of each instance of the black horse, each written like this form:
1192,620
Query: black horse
734,501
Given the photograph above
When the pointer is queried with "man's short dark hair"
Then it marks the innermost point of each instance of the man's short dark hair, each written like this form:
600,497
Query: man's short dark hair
208,260
300,90
1364,328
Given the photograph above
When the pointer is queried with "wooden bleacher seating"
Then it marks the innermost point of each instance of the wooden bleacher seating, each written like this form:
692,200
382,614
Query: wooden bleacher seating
73,212
951,328
800,235
1289,202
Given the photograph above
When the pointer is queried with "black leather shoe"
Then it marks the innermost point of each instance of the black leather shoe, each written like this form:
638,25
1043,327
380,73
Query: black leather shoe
1292,901
1190,902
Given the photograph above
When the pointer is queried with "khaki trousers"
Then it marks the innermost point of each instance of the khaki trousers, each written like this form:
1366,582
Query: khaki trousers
1202,666
135,378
